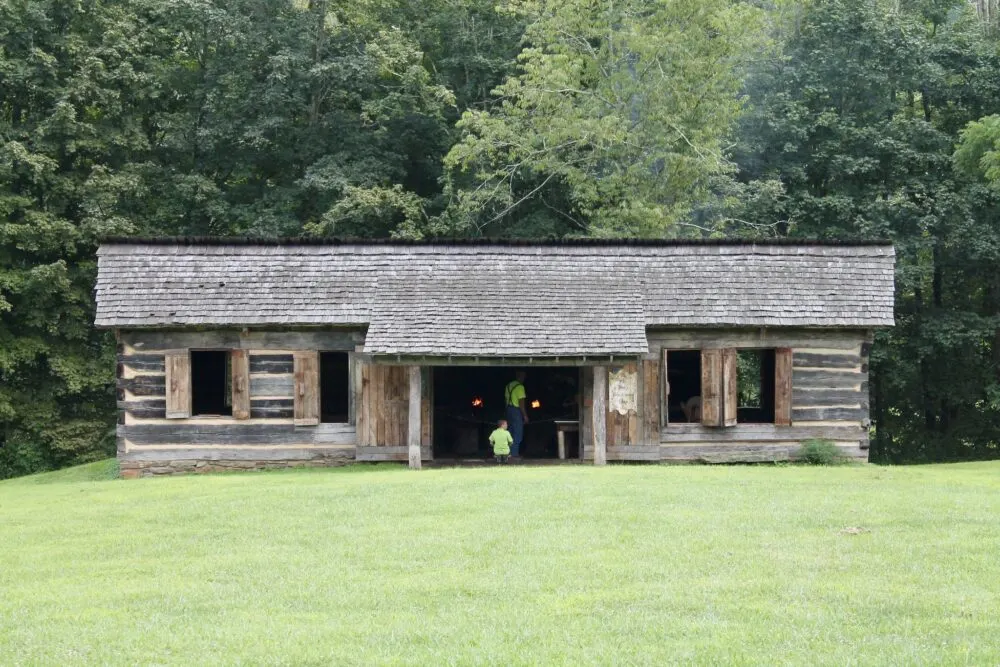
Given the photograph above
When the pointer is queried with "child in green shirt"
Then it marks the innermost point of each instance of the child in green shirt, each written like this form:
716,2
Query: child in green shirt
501,440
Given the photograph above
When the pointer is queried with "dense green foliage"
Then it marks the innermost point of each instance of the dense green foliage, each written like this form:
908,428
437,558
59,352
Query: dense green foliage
841,118
721,565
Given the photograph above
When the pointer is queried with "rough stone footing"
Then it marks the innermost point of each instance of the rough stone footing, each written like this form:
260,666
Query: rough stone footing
134,469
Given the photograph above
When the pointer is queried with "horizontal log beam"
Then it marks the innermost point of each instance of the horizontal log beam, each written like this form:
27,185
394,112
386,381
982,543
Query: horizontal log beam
275,408
392,453
828,379
829,414
812,360
500,361
261,435
149,409
236,454
345,340
272,363
758,433
817,398
272,385
143,363
747,452
694,338
144,385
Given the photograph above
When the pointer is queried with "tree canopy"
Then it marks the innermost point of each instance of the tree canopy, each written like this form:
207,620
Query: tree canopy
695,118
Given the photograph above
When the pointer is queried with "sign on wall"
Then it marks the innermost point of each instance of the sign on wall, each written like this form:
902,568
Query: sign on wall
623,388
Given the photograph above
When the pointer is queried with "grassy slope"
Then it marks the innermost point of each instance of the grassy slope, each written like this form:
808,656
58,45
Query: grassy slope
542,565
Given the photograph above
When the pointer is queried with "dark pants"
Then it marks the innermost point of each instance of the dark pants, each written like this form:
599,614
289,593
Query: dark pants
515,424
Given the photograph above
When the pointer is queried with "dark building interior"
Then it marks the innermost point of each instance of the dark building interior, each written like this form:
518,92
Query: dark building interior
469,400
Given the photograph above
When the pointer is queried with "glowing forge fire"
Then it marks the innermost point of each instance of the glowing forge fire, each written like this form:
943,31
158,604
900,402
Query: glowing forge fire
477,402
536,404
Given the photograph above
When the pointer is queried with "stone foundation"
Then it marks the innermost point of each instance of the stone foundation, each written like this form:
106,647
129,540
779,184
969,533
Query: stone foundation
135,469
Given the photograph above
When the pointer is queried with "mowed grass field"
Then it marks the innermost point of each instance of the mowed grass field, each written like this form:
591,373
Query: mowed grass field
530,565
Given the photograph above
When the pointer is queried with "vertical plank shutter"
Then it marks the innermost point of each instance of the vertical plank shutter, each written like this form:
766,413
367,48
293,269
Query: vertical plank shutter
240,363
427,407
711,388
783,386
364,403
730,387
665,397
178,380
306,388
651,400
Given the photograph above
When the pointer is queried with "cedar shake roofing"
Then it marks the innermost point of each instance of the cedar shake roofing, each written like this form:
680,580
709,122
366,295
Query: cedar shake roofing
469,299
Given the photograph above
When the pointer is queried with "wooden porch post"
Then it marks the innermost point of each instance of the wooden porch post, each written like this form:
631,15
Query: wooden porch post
413,430
600,414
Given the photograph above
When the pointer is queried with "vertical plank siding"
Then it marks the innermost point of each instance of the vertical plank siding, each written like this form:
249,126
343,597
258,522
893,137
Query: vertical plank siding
622,429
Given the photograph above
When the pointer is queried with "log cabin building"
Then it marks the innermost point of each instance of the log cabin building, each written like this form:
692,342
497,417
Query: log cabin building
245,354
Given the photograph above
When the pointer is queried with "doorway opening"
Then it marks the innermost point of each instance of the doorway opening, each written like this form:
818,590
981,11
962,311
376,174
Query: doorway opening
334,387
469,400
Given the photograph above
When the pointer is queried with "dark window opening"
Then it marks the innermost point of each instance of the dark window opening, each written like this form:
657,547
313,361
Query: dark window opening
334,388
684,378
755,386
211,383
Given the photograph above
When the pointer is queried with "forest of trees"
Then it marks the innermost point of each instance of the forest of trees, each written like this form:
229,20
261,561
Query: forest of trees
522,118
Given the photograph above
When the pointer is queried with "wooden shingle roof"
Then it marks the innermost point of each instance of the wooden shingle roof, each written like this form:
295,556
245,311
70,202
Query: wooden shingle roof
495,299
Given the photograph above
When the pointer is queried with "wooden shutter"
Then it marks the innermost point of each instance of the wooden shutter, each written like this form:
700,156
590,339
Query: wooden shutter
730,389
240,363
364,405
178,381
665,395
783,386
712,388
306,388
651,400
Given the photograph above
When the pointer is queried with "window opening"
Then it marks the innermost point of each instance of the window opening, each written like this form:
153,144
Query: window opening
335,386
684,377
755,386
211,383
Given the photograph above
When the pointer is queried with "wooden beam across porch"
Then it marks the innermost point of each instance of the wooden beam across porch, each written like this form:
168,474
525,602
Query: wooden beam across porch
502,361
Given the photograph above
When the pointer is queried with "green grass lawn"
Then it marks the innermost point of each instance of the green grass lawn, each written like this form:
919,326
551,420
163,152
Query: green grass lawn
560,565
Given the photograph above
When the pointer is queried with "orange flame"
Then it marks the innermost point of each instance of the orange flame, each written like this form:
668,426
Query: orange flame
477,402
536,404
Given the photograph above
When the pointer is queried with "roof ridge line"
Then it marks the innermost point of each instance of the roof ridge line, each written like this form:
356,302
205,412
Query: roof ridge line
484,242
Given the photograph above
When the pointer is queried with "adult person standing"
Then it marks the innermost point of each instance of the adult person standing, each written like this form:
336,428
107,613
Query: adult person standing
516,409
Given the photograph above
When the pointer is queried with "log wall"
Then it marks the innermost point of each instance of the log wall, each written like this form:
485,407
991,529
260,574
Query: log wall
829,396
150,443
